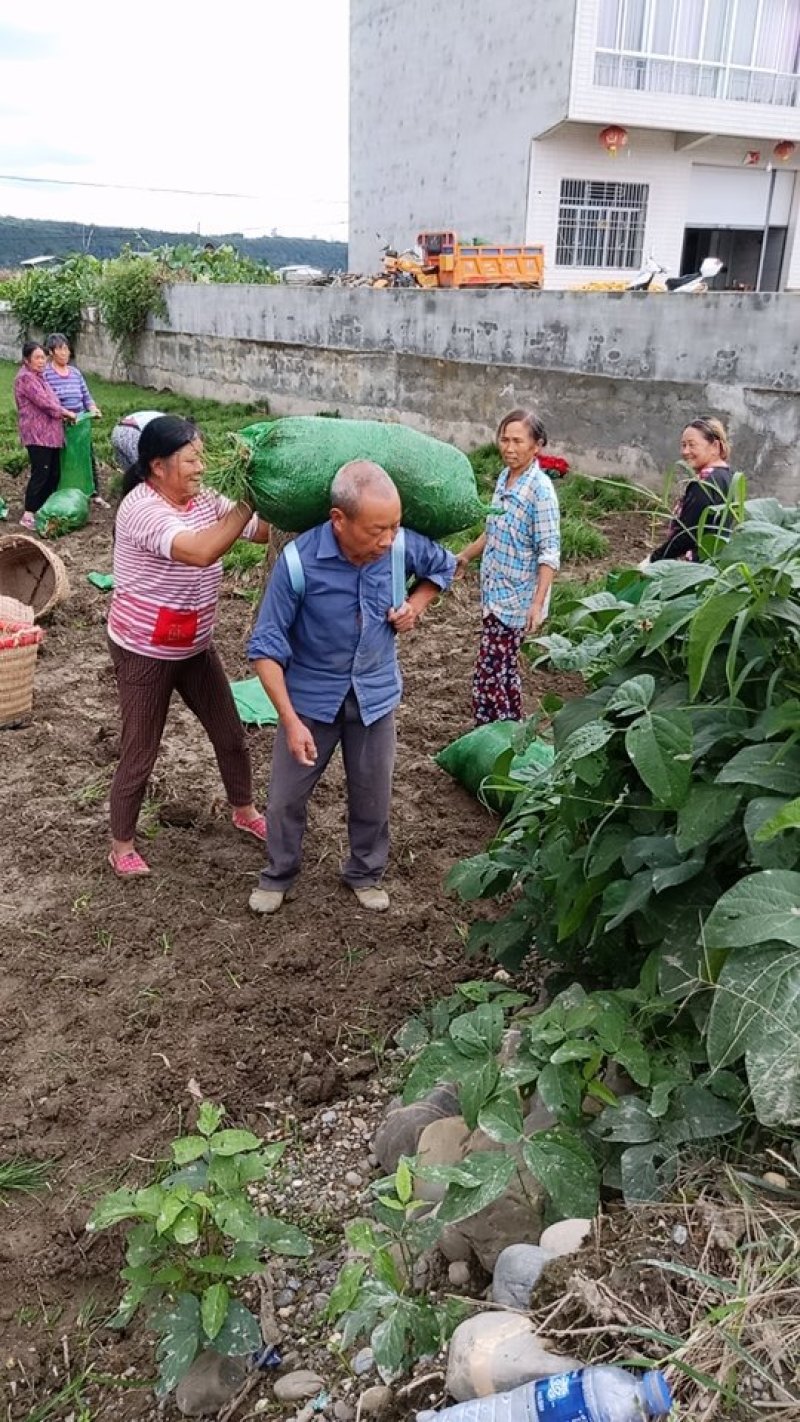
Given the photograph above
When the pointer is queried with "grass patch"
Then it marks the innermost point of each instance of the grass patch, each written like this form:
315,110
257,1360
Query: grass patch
25,1176
244,556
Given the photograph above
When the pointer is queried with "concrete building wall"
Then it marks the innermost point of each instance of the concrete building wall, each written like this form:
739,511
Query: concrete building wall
444,101
615,376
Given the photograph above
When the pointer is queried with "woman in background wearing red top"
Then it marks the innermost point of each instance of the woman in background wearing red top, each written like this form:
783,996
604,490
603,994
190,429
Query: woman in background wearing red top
169,539
41,429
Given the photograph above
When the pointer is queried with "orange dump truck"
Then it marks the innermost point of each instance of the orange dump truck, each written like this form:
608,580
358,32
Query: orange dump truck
442,261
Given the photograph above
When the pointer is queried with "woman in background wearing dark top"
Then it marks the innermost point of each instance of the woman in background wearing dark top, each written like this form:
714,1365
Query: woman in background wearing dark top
706,450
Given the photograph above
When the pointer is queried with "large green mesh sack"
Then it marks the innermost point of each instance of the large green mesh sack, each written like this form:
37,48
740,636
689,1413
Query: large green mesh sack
473,758
293,463
76,457
65,511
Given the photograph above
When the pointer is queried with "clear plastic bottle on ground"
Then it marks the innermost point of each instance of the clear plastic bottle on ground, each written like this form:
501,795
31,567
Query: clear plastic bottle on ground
599,1394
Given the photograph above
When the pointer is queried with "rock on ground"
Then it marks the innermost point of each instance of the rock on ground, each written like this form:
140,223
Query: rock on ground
400,1132
565,1237
494,1352
211,1381
375,1401
517,1272
442,1142
297,1386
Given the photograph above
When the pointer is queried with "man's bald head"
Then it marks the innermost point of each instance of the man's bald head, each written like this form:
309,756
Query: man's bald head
365,511
360,479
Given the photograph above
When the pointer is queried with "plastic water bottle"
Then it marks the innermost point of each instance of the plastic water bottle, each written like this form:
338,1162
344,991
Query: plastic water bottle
598,1394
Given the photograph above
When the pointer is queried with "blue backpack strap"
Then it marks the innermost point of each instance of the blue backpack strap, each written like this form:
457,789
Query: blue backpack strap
399,569
297,575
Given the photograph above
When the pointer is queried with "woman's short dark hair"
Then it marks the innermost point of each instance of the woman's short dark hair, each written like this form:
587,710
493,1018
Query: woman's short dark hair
54,341
532,423
29,348
160,438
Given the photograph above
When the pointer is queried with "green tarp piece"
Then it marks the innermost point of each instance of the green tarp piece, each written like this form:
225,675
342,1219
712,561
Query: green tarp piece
103,581
76,457
64,512
293,462
3,509
473,757
253,704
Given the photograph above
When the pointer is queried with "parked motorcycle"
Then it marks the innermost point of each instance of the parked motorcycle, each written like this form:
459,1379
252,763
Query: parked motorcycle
690,282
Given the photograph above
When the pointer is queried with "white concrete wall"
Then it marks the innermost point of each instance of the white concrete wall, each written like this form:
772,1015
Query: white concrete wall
650,109
444,101
573,151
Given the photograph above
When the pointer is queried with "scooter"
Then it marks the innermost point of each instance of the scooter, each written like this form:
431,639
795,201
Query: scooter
690,282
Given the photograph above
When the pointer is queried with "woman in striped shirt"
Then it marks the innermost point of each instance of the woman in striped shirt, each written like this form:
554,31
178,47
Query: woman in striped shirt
68,384
169,539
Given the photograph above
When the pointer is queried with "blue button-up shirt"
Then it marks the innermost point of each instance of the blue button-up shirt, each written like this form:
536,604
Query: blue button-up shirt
338,636
522,531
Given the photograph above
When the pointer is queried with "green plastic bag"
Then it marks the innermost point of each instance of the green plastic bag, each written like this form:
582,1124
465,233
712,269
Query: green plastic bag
103,581
76,457
65,511
293,463
473,757
3,509
253,704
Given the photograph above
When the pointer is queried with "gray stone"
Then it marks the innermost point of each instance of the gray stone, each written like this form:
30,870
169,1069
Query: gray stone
399,1132
454,1245
285,1298
343,1411
375,1401
353,1178
297,1386
515,1217
459,1274
306,1414
494,1352
442,1142
516,1273
211,1381
566,1237
363,1362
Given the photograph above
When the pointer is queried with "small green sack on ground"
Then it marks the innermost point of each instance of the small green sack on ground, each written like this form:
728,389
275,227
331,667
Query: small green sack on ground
253,704
65,511
473,758
76,457
293,462
103,581
3,509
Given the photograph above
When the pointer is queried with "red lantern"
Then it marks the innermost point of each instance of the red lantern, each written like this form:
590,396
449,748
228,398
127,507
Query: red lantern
612,138
784,149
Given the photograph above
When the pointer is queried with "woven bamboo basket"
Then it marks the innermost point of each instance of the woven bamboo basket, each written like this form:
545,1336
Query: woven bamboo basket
32,573
19,646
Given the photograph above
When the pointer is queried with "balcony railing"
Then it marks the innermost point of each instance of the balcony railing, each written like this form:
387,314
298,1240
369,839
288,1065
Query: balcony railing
697,78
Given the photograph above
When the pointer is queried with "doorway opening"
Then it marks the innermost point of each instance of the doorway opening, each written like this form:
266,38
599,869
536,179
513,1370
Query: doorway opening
739,250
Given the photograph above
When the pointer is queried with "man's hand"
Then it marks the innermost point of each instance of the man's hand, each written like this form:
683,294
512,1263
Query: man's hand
403,619
462,564
301,743
535,619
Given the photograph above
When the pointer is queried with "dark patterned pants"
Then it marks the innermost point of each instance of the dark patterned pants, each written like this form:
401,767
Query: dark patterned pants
145,688
497,685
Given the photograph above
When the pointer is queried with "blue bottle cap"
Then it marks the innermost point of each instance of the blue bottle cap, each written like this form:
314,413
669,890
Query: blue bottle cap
657,1396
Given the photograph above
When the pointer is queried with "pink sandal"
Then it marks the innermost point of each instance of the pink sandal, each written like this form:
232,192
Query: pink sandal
128,866
257,826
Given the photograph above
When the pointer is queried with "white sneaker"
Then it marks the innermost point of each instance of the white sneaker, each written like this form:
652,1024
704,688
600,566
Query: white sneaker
376,900
266,900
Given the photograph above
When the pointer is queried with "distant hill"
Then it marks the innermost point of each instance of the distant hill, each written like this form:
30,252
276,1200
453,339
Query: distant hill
22,237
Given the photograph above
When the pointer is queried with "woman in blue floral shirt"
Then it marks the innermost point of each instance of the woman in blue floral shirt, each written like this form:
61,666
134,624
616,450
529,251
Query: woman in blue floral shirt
521,556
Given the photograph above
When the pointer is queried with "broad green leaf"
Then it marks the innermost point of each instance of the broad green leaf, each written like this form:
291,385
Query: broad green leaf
625,897
384,1268
667,878
696,1114
566,1168
441,1061
116,1206
250,1167
388,1340
707,627
273,1153
171,1207
560,1089
495,1169
772,767
759,908
579,1051
188,1148
238,1220
630,1122
195,1175
606,848
412,1035
240,1334
233,1142
634,1058
670,620
672,579
633,696
760,546
150,1200
223,1172
660,746
345,1290
781,851
478,1033
756,1014
707,810
214,1309
361,1236
646,1172
239,1266
403,1181
788,817
283,1238
141,1245
209,1117
476,1088
501,1118
179,1329
587,740
186,1228
128,1304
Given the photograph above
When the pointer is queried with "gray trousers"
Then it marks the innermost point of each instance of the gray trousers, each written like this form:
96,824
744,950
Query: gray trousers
368,753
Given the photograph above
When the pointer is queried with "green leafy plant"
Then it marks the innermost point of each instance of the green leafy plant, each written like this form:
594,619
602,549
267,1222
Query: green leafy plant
668,824
198,1236
26,1176
46,301
131,290
374,1296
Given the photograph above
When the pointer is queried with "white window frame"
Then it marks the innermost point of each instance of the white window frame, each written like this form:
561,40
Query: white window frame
576,211
693,76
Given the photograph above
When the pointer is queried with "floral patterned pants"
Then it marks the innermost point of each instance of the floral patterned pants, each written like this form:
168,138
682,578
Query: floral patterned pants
497,685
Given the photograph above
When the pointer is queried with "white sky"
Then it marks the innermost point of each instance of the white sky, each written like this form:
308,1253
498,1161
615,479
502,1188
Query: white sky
235,96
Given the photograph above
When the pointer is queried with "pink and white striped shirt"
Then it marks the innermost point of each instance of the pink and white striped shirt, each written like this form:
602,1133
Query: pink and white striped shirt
161,608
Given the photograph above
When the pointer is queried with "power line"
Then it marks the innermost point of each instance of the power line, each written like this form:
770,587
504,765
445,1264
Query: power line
124,187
